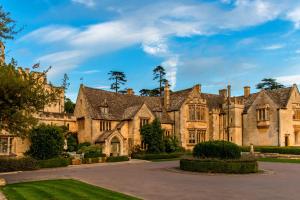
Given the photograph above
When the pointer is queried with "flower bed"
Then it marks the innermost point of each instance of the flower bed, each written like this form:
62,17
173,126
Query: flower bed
237,166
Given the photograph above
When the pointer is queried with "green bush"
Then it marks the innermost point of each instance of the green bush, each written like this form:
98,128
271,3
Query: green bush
54,162
117,158
157,156
93,151
17,164
219,166
270,149
47,142
84,144
217,149
171,145
72,142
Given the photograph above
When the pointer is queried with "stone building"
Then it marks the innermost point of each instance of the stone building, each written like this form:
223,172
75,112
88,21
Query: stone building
51,114
114,120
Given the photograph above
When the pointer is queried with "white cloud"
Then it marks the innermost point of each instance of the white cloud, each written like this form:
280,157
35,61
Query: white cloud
88,3
273,47
102,87
289,80
297,51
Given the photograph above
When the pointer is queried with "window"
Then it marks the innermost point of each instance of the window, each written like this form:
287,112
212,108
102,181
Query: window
105,125
81,123
196,113
262,114
296,115
168,133
192,139
5,145
104,109
143,121
201,135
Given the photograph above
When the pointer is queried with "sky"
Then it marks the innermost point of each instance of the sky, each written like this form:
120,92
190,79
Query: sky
207,42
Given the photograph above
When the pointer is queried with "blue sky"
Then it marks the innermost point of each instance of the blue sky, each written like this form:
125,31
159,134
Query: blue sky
211,42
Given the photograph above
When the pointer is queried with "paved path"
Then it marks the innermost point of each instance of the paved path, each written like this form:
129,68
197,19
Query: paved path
159,181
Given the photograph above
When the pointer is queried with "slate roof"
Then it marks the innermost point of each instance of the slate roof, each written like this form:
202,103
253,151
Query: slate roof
178,98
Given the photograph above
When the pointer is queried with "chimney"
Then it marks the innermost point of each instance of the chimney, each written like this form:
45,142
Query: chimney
198,88
130,91
223,93
2,52
166,95
246,91
27,70
229,90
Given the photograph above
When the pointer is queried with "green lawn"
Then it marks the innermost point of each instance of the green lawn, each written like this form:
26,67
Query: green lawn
281,160
59,190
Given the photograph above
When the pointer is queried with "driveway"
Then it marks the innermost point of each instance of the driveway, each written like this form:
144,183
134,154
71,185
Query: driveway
150,180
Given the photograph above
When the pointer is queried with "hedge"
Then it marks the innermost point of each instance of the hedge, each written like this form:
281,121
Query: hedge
17,164
157,156
54,162
117,158
219,166
217,149
280,150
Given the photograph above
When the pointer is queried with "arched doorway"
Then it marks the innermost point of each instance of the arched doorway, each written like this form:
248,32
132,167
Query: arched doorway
115,147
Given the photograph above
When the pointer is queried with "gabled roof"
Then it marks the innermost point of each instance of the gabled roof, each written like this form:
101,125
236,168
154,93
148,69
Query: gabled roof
213,100
177,98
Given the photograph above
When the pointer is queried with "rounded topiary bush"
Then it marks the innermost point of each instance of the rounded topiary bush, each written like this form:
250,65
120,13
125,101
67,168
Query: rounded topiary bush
217,149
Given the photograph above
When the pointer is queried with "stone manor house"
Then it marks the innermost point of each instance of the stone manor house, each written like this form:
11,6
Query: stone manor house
113,120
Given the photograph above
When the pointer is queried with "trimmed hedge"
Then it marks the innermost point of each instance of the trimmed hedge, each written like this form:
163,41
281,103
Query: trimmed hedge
280,150
17,164
217,149
117,158
156,156
54,162
219,166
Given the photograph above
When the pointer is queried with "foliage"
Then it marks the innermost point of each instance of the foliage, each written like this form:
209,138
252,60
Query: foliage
84,144
171,144
17,164
219,166
72,142
150,92
153,137
21,95
7,26
93,151
119,79
69,106
272,149
60,189
217,149
269,84
46,142
54,162
117,158
154,156
159,74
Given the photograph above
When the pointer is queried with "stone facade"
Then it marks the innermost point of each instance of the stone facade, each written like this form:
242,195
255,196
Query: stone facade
265,118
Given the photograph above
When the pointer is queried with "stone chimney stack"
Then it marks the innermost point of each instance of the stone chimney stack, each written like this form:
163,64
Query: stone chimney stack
229,90
130,91
166,95
2,52
246,91
223,93
198,88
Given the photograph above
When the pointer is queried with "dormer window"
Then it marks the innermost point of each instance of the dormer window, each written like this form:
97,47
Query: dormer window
104,109
263,114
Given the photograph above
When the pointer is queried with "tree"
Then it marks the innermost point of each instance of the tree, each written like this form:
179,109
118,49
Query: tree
171,144
21,95
69,105
149,92
159,74
119,79
7,26
153,137
269,84
46,142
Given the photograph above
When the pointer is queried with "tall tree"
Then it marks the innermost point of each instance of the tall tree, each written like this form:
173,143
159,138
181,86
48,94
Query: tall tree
149,92
269,84
7,26
119,79
159,74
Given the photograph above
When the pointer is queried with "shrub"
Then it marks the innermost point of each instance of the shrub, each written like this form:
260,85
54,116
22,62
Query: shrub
46,142
171,144
84,144
270,149
153,156
152,135
217,149
117,158
219,166
17,164
54,162
93,151
72,142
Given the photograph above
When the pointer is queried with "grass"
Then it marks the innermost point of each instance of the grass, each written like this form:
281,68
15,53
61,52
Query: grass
280,160
65,189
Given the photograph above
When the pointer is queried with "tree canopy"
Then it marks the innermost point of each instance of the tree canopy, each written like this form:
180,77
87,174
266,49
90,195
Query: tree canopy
269,84
7,26
159,74
119,79
149,92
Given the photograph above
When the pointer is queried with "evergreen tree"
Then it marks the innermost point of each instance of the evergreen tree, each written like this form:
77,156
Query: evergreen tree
159,74
269,84
69,105
119,79
7,26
